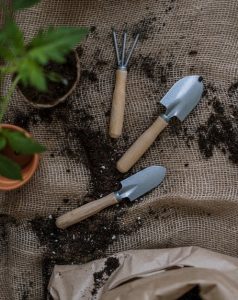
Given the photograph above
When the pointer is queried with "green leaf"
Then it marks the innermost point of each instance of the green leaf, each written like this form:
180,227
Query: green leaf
21,143
55,77
54,43
11,39
9,168
3,142
6,54
31,73
21,4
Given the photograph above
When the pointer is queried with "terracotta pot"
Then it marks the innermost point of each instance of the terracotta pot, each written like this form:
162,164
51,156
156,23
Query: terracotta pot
63,98
28,170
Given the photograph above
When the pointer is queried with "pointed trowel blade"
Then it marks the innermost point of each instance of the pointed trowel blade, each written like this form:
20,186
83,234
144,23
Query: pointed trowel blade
183,96
141,183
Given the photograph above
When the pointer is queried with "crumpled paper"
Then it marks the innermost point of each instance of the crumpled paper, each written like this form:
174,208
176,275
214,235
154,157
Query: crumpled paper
150,274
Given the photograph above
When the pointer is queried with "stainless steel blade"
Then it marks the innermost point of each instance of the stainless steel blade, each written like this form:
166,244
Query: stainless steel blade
182,97
141,183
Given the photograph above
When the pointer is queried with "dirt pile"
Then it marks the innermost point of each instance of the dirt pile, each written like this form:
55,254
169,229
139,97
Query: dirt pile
78,244
220,131
111,264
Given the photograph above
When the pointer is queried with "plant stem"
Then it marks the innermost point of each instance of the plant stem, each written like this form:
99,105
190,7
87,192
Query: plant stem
5,99
7,70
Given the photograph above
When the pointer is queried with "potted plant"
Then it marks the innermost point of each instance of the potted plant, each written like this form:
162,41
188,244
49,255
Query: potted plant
19,156
28,64
46,68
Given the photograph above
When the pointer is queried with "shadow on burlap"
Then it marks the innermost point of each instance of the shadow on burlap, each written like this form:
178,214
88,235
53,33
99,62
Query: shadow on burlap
197,203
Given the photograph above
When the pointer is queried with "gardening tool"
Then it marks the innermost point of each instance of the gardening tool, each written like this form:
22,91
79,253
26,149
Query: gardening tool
118,101
131,188
179,102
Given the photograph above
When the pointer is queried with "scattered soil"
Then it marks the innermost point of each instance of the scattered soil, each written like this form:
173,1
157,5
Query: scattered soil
144,27
80,243
111,264
193,52
80,51
3,238
219,131
25,295
168,9
148,66
218,107
56,90
232,89
209,90
176,127
66,200
101,159
81,144
152,68
32,117
93,29
193,294
89,239
170,6
90,75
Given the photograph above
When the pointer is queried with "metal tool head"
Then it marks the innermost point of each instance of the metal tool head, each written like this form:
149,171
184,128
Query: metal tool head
141,183
122,61
183,97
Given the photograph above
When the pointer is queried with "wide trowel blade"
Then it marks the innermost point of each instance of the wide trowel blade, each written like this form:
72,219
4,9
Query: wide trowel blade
183,96
141,182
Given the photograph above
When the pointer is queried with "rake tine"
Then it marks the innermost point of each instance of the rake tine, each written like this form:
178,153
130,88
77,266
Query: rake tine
123,49
132,49
116,46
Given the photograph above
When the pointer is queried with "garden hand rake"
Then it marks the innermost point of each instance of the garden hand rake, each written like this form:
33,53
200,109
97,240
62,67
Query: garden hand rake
118,101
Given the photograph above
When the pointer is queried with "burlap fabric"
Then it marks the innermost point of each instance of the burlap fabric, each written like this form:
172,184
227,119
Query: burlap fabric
200,200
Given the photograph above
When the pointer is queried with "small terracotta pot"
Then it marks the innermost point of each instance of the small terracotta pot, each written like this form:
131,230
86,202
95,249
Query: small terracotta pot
28,171
63,98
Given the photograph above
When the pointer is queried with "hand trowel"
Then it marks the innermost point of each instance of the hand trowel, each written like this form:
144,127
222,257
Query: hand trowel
131,188
180,100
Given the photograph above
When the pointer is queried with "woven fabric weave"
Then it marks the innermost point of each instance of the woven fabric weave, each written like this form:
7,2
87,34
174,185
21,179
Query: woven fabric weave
197,204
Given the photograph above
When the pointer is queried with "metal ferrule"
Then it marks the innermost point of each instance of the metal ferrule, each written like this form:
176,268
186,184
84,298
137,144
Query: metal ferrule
117,196
165,117
122,68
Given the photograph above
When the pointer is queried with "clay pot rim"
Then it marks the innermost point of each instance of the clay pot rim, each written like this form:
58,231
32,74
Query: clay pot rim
59,100
7,184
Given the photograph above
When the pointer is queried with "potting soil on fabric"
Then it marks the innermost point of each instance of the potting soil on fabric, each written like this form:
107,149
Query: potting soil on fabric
196,204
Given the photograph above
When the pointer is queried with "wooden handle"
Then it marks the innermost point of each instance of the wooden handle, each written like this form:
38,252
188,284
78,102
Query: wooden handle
85,211
134,153
118,104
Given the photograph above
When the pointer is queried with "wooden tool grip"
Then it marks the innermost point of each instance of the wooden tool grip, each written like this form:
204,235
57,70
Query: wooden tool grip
85,211
133,154
118,104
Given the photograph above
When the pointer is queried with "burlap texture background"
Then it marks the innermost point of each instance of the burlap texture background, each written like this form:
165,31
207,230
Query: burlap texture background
201,199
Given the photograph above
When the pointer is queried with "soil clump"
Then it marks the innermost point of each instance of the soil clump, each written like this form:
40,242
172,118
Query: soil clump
78,244
145,27
111,264
220,131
